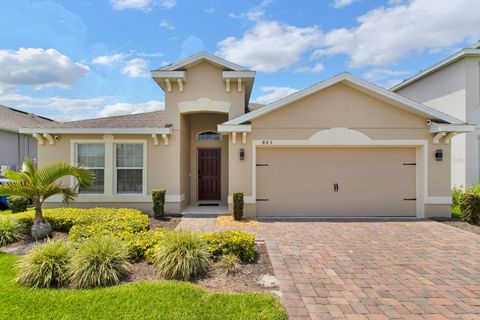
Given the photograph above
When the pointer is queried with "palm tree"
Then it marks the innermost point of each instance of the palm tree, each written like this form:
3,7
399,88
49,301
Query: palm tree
40,184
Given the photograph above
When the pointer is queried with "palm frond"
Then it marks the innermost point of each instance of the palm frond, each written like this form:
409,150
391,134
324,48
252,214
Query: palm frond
28,167
51,173
14,175
17,188
67,193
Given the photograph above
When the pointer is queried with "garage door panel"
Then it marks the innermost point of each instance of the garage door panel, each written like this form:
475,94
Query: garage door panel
371,181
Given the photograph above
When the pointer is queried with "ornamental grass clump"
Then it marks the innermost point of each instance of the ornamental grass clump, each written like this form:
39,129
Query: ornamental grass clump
98,262
10,230
45,265
229,263
181,255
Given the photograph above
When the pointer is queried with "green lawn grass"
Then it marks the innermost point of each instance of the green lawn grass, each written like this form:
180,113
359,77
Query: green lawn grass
142,300
456,213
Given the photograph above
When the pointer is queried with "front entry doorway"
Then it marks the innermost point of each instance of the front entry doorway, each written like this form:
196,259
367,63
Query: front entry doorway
209,174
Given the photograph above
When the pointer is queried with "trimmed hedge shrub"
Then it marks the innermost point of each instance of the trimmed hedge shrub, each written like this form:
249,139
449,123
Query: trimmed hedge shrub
470,207
158,197
116,226
181,255
45,265
17,204
237,205
63,219
98,262
10,230
239,243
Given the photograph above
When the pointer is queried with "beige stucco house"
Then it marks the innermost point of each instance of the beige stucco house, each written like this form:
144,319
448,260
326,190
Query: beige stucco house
453,86
342,147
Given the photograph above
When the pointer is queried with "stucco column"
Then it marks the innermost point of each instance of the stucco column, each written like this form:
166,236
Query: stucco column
109,165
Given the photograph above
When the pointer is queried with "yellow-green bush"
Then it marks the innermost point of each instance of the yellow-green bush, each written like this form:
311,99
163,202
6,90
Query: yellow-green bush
63,219
109,225
239,243
141,245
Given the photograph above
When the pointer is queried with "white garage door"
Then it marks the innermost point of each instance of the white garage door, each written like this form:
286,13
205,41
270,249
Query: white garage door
336,181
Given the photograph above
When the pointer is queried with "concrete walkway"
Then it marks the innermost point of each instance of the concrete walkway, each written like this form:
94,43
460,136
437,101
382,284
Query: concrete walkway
372,269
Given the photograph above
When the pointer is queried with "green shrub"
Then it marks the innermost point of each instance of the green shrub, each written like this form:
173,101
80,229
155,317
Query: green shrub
229,263
239,243
470,207
99,261
10,230
181,255
158,197
237,205
456,194
45,265
121,222
141,244
17,204
63,219
474,188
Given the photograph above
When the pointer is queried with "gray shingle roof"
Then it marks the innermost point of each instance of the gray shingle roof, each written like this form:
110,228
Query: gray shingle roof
141,120
13,119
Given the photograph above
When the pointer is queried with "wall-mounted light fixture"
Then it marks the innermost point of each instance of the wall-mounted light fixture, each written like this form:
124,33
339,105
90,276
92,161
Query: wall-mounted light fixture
242,154
439,154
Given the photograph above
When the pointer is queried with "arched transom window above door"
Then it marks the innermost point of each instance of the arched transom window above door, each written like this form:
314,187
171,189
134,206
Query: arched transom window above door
208,136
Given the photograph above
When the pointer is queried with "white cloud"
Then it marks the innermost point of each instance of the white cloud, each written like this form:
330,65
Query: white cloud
166,25
274,94
108,59
135,68
342,3
131,108
388,34
317,68
144,5
376,75
256,13
168,4
209,10
39,68
153,54
59,108
270,46
130,4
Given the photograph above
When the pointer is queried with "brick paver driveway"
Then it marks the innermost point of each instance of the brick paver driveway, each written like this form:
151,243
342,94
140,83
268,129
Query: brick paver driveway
371,269
375,270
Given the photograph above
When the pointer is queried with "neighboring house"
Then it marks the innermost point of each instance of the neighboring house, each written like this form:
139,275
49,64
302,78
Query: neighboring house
453,86
342,147
15,146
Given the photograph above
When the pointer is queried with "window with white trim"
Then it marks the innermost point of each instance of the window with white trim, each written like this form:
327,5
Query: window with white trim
92,156
209,136
129,168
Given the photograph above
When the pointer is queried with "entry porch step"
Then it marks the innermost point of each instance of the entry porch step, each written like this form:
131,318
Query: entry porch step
205,210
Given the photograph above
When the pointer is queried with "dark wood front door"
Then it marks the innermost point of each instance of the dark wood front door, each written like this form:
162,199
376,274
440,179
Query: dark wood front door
209,174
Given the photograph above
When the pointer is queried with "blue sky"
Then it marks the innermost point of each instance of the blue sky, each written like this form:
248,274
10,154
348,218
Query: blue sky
87,58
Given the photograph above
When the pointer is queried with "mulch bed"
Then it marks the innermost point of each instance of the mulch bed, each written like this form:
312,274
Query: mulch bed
256,276
228,221
166,222
461,225
28,242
